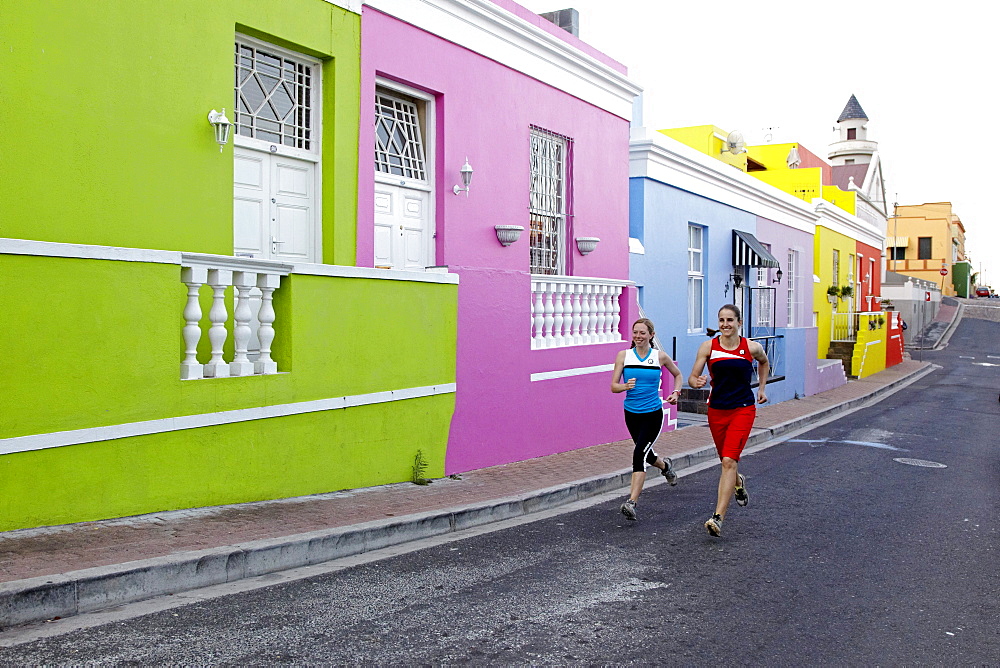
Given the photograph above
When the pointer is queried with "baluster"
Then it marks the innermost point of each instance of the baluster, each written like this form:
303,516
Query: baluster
267,284
219,280
602,313
594,315
557,316
243,282
585,320
193,278
616,318
549,317
577,313
539,316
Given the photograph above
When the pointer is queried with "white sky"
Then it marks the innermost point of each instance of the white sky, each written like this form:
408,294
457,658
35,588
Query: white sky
925,74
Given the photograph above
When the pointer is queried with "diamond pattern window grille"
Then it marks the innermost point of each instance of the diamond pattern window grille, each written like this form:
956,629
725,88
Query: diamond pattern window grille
273,97
399,147
547,201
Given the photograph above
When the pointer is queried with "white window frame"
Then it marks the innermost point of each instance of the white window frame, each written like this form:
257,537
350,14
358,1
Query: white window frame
836,267
696,279
792,287
427,112
562,241
315,101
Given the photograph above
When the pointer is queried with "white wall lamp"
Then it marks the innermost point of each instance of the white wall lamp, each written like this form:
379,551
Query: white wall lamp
507,234
586,244
222,127
466,178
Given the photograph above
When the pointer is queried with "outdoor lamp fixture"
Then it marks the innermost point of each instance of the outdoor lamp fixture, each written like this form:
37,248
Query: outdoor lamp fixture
466,178
737,280
222,127
777,276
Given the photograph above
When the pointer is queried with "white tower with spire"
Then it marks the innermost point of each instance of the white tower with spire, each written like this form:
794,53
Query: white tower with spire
853,146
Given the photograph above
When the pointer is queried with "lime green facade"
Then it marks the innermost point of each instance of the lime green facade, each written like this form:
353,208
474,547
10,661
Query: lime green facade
105,118
106,143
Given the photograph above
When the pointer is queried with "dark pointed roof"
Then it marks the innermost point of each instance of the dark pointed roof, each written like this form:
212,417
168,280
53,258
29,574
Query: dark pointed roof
852,110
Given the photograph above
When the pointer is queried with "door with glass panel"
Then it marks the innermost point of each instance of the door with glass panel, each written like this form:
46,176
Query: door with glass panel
276,154
403,238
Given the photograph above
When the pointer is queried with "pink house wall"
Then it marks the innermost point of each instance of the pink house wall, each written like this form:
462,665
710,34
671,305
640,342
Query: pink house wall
484,113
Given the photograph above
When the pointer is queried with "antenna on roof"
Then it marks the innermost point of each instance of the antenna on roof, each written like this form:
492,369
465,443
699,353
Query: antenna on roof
735,143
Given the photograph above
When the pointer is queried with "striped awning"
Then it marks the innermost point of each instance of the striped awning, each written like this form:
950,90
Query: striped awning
897,242
748,252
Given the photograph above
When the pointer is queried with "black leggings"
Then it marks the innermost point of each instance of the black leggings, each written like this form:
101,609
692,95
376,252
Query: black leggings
645,429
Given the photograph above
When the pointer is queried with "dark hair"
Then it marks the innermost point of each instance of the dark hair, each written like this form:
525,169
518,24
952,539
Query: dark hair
736,311
649,325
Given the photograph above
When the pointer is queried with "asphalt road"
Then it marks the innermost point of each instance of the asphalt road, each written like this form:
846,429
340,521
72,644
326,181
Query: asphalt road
844,556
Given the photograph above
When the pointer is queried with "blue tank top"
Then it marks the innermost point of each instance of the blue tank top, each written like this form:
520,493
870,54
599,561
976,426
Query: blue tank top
645,396
731,371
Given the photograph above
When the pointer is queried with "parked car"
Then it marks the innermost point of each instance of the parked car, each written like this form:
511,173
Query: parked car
982,292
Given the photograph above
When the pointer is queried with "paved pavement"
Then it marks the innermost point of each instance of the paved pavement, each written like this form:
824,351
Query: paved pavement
66,570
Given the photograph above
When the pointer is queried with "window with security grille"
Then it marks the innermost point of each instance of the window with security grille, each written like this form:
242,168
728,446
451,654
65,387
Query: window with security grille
547,201
696,278
399,144
273,97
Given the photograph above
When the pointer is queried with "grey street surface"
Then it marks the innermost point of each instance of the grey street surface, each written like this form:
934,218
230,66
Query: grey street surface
844,556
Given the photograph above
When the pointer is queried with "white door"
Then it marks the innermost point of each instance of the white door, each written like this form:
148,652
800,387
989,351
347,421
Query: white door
401,223
274,206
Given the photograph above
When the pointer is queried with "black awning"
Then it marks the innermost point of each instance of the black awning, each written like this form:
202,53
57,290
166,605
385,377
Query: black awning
748,252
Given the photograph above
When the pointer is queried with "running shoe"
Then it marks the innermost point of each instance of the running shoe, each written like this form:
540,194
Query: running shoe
668,471
742,495
628,510
714,525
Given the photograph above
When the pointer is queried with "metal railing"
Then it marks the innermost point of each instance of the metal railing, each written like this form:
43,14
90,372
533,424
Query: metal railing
774,348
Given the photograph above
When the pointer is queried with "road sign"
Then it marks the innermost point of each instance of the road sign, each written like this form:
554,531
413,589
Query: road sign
944,271
927,296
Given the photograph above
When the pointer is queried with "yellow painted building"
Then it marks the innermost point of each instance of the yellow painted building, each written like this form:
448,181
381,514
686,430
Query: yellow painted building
923,238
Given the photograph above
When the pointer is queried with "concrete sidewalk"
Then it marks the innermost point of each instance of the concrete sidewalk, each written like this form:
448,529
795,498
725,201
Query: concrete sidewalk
62,571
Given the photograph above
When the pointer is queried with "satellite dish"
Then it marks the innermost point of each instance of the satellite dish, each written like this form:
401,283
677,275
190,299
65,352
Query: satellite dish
735,143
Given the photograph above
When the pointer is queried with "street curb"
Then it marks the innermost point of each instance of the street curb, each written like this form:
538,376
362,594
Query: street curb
88,590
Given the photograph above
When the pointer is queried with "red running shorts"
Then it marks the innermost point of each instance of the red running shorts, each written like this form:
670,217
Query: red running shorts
731,429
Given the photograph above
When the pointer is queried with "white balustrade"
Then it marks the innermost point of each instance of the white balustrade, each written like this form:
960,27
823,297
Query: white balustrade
253,283
570,311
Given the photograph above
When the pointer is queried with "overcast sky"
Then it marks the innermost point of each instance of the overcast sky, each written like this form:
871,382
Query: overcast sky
925,74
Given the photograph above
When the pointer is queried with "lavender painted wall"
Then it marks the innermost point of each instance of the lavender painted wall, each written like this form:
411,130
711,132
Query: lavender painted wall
484,112
804,374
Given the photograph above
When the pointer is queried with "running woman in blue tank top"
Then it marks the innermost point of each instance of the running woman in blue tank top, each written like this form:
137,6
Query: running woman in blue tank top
641,367
731,404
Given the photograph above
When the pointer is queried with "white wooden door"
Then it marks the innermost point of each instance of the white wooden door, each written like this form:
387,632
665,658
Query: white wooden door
274,207
402,240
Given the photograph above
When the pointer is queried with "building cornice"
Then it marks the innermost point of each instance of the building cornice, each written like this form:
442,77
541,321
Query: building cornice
493,32
658,157
834,218
349,5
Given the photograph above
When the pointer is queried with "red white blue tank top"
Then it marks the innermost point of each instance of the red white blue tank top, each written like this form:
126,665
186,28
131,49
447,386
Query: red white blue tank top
732,372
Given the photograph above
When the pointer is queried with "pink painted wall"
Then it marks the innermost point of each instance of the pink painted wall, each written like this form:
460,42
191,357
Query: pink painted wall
484,112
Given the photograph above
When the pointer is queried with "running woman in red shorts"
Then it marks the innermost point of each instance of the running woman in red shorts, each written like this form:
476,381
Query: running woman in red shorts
731,404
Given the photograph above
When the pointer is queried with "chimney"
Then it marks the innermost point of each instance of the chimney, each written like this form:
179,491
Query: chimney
567,19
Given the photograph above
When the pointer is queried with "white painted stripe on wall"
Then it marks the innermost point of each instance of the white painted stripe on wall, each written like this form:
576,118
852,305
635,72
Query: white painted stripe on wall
566,373
59,439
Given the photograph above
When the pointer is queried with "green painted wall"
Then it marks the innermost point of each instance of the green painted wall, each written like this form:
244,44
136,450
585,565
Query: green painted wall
104,118
99,344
